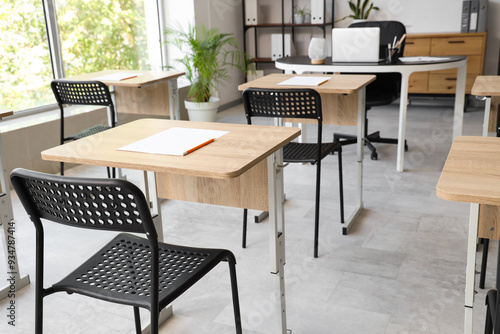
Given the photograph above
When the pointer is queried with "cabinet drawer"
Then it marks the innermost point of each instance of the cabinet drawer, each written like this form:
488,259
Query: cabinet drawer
456,46
473,66
417,47
418,82
446,83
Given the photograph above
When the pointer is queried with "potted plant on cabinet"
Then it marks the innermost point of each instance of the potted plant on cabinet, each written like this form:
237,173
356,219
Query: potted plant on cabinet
207,56
360,11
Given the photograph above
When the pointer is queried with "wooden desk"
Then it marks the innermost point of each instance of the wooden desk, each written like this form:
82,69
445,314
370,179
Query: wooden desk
301,64
471,174
9,229
246,149
343,103
489,87
158,91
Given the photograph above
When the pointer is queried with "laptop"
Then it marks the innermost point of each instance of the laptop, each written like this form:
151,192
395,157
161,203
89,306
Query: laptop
356,45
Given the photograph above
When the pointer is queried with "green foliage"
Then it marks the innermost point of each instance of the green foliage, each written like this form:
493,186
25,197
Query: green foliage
207,56
95,35
360,11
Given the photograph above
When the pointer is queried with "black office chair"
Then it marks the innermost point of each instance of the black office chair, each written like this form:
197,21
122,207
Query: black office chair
129,270
384,90
295,103
93,93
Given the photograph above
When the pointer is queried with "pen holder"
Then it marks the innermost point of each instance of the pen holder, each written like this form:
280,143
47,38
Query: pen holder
390,55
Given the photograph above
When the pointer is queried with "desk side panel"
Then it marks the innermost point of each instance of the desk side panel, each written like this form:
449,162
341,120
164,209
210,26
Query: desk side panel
489,222
492,125
338,109
148,100
246,191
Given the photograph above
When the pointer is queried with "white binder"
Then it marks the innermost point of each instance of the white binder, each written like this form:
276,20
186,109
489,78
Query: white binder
474,11
317,11
253,15
277,46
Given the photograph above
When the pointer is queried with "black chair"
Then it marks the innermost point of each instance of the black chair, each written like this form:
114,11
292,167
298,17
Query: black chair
93,93
129,270
385,89
295,103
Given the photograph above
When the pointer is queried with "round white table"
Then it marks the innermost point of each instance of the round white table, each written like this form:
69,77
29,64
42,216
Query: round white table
301,64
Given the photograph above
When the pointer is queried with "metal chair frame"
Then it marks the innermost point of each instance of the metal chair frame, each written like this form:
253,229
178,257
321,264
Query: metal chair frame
129,270
96,93
300,104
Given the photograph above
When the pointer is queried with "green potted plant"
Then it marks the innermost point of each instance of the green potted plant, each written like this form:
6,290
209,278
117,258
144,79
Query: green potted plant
207,56
360,11
300,15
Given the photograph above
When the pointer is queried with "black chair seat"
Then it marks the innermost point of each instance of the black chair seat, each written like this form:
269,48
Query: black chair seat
88,132
129,270
305,152
89,93
300,104
120,271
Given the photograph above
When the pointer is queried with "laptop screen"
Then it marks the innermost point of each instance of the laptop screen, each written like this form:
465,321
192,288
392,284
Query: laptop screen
355,44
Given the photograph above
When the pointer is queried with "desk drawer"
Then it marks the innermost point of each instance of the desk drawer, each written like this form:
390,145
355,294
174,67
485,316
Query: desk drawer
418,82
417,47
456,46
446,83
473,66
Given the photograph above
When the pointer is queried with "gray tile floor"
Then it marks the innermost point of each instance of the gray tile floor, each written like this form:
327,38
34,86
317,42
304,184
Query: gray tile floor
400,271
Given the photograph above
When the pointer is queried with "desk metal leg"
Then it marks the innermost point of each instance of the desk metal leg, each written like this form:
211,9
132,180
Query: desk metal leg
360,145
458,119
487,110
277,234
470,272
403,108
173,93
149,188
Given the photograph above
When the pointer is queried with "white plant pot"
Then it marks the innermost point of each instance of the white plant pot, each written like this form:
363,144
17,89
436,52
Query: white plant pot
298,18
202,111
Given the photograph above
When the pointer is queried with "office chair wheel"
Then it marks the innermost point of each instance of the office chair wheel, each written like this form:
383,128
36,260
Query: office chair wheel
374,156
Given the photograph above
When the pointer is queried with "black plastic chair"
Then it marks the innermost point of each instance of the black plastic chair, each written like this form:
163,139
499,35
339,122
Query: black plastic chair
384,90
129,270
93,93
296,103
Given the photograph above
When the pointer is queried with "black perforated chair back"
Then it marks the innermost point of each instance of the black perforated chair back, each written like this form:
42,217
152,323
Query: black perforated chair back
81,93
279,103
108,204
388,30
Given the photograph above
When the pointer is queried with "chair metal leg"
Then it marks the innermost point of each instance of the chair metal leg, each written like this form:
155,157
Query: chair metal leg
137,319
341,186
234,291
316,213
490,310
244,237
484,262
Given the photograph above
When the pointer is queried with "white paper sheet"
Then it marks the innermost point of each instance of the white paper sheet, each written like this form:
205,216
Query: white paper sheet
419,59
119,76
174,141
305,81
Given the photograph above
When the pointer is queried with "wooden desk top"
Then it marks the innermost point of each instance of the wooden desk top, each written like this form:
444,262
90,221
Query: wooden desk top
149,78
338,84
229,156
486,85
472,171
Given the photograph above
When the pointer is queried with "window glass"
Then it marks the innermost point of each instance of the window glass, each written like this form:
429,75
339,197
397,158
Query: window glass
102,35
25,68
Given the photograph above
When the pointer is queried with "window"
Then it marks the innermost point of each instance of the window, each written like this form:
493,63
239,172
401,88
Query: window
84,36
25,67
